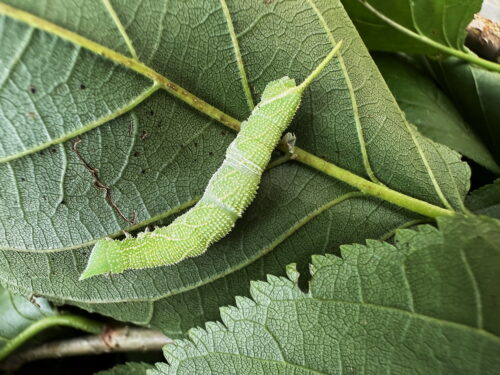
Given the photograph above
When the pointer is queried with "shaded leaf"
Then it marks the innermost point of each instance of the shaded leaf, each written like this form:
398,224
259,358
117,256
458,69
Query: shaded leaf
129,368
428,304
157,158
18,313
485,200
426,106
475,92
442,21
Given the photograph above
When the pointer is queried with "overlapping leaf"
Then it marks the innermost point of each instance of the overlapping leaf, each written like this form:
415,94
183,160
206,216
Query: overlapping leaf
442,21
18,313
427,107
486,200
475,92
155,160
428,305
130,368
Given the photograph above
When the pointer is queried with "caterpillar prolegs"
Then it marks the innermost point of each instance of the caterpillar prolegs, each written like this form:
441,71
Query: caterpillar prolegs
229,192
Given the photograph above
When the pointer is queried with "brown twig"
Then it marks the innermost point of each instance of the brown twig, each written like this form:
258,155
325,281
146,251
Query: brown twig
483,37
94,172
112,340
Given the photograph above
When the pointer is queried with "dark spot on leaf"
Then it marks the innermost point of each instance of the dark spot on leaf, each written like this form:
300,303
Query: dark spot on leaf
195,144
82,86
53,150
210,153
136,153
143,171
144,135
23,179
63,202
151,112
222,133
33,90
42,152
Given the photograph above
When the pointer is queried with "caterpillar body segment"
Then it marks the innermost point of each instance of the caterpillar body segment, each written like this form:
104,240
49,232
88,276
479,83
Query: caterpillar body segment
229,192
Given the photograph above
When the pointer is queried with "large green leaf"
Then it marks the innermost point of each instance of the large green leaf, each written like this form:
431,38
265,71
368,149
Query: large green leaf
157,158
475,92
427,305
426,106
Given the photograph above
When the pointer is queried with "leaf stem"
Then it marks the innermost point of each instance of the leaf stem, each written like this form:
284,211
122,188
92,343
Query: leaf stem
370,188
74,321
470,57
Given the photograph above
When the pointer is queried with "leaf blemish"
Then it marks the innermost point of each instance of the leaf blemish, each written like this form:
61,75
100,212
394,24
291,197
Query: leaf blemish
136,154
32,115
33,90
82,86
94,172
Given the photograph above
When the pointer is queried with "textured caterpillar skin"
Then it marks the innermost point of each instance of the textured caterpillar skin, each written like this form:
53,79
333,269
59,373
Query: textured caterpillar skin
229,192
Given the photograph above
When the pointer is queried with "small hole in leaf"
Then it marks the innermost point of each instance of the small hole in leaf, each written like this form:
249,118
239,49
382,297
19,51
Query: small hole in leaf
143,171
23,179
33,90
82,86
210,153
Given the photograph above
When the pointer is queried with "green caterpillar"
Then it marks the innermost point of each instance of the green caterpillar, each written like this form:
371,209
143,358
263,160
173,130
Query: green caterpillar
229,192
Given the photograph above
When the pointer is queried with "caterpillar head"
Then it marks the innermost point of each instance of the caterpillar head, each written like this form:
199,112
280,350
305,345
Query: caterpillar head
99,262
